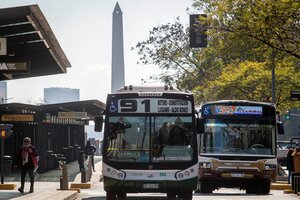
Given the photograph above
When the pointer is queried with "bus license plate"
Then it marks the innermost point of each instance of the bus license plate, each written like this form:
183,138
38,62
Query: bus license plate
150,185
237,175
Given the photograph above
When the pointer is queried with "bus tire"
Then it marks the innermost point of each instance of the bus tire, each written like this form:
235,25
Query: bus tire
186,195
204,187
265,187
171,195
110,195
121,196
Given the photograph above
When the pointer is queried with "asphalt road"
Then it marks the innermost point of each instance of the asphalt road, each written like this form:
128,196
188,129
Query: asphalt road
97,193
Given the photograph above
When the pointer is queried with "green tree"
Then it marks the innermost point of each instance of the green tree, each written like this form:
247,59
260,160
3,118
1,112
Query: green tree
234,45
251,81
275,24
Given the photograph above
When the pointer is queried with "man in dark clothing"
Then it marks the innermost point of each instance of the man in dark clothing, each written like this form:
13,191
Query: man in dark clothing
89,150
290,164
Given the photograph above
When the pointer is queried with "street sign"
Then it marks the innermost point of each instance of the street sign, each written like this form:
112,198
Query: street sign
72,115
14,67
295,95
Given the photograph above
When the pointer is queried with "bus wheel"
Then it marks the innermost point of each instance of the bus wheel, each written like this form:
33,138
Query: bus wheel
171,195
186,195
110,196
265,187
204,187
121,196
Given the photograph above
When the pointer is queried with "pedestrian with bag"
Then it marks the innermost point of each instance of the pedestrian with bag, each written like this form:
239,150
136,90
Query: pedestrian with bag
27,161
89,150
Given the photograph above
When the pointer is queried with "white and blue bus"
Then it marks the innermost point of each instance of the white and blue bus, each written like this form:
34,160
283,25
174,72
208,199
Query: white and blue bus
150,143
237,146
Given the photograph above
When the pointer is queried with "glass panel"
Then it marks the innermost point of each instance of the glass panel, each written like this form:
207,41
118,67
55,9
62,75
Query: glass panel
172,139
232,137
130,139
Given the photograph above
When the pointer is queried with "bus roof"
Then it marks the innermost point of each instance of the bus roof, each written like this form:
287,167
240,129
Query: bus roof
238,101
132,88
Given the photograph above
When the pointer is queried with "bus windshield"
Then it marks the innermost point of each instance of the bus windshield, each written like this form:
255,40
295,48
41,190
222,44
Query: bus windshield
154,139
236,136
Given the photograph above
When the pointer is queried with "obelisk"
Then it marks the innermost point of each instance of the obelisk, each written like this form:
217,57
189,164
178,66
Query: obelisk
117,64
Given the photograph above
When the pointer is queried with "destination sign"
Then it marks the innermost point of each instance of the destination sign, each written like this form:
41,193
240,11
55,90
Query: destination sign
154,105
232,110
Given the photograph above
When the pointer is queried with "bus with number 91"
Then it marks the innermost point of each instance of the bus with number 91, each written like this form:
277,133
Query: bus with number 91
150,143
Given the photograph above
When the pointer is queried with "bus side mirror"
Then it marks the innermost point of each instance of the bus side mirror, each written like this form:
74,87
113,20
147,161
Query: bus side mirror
200,125
280,128
98,123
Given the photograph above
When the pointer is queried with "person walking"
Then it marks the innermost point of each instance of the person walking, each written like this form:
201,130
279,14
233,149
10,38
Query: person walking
27,161
90,150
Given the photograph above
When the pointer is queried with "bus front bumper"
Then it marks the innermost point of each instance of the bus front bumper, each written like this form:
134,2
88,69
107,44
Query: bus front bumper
134,186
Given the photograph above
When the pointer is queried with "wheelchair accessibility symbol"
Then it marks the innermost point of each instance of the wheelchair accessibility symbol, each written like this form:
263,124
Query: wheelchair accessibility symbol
113,106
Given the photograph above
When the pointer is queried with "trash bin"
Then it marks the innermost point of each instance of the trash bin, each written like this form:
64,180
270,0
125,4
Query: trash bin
50,160
76,151
66,152
7,165
71,152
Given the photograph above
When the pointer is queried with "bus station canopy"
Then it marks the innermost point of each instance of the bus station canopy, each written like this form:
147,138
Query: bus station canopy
28,48
91,107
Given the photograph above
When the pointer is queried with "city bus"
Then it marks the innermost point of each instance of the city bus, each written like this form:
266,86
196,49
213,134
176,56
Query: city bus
237,146
150,142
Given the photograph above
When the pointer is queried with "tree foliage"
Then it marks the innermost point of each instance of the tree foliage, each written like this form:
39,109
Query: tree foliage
246,39
275,24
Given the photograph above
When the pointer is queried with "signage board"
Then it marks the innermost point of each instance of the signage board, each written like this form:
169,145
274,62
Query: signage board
14,67
295,95
17,118
3,46
72,115
155,105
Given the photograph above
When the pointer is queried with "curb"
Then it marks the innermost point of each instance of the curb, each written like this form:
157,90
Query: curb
7,186
80,185
281,186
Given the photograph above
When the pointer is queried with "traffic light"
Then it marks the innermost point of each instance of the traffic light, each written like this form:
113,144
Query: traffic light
6,130
287,115
198,30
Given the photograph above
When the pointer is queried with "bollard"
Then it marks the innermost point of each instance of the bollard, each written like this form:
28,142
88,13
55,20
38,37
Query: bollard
83,176
296,184
64,179
90,170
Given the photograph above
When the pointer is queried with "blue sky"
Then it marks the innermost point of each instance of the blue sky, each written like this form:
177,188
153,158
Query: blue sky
83,29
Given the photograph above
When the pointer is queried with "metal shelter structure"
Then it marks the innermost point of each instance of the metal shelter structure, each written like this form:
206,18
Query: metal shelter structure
32,48
50,134
29,48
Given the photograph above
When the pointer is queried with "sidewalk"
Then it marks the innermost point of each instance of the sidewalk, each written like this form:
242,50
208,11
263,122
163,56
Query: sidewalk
47,184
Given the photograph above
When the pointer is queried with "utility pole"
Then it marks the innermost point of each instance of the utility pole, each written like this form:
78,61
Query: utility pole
273,77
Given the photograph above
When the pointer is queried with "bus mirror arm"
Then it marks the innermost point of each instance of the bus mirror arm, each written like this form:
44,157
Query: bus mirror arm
200,125
98,123
280,128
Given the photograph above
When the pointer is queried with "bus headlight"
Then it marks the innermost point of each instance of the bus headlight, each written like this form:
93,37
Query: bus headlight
270,167
114,173
184,174
206,165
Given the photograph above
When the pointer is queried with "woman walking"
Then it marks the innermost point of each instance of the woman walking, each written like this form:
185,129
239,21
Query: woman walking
27,160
